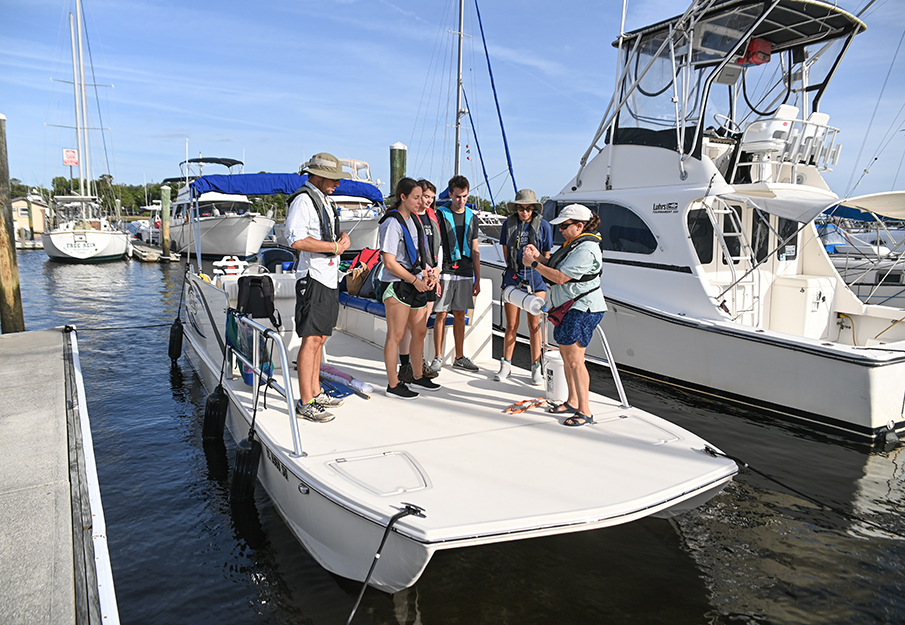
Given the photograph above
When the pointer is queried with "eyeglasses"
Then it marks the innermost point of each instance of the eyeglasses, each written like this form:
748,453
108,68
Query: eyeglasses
525,209
566,224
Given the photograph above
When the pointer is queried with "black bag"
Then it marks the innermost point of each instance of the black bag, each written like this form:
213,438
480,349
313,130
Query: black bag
256,298
369,286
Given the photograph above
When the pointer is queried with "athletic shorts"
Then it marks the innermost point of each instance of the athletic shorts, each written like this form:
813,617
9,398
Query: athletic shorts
510,278
456,295
577,327
406,293
316,308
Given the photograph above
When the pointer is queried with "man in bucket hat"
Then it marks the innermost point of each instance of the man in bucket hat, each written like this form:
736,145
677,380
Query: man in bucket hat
524,226
312,228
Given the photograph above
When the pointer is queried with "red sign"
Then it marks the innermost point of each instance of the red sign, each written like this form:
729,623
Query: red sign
70,157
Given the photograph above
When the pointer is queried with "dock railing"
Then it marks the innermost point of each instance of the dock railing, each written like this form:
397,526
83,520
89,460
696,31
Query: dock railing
254,363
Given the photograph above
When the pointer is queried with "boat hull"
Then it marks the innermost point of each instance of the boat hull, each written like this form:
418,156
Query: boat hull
223,235
86,246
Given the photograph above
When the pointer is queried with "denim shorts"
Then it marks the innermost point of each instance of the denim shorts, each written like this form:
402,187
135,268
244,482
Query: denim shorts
577,327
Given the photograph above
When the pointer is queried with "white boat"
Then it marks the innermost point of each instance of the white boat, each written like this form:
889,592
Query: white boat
82,233
474,474
84,236
219,224
468,472
714,273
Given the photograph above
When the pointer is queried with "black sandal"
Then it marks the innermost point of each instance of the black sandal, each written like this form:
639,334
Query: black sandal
558,409
578,419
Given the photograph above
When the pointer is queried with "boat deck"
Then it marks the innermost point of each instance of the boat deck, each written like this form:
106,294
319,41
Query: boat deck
54,567
479,472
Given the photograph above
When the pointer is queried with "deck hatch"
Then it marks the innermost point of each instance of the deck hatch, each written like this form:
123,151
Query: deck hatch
388,473
637,429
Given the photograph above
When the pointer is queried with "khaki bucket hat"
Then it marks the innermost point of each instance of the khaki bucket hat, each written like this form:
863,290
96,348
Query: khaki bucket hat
524,197
326,166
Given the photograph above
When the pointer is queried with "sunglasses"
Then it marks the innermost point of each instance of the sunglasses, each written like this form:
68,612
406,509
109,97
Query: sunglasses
566,224
526,209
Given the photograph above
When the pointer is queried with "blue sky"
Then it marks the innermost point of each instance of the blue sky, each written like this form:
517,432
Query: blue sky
271,83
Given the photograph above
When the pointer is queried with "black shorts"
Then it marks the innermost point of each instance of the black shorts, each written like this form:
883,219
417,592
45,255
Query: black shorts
316,308
406,293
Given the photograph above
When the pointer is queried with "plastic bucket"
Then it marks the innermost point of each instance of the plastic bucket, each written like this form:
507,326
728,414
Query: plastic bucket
555,377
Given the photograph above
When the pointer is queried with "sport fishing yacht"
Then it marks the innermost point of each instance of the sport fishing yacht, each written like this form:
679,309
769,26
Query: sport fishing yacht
706,172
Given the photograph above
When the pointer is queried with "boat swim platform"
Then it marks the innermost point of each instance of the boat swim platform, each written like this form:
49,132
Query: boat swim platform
54,563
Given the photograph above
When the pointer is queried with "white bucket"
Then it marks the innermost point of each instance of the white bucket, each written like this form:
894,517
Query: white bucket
532,304
555,377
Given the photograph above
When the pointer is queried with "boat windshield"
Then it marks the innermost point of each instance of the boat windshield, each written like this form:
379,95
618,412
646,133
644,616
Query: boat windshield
739,60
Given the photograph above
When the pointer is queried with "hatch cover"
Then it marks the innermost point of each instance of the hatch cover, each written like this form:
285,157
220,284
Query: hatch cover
388,473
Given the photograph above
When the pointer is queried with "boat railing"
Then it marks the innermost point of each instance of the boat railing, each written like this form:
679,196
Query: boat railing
771,144
254,363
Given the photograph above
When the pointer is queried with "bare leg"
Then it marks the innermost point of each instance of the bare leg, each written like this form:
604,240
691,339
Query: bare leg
417,324
459,332
577,377
397,315
439,333
309,366
512,319
534,330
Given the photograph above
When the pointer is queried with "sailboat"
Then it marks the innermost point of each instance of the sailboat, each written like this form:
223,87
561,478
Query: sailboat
81,232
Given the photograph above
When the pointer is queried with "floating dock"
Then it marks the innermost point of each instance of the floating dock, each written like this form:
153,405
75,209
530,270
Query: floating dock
54,563
151,253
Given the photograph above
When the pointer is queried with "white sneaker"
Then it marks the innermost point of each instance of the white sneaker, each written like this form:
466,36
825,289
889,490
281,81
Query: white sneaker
436,363
537,374
504,372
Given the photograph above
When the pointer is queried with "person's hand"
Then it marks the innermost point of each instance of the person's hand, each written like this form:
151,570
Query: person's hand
344,242
421,285
476,289
529,255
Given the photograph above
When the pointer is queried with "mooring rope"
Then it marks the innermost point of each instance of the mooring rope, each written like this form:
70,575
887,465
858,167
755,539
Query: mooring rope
843,513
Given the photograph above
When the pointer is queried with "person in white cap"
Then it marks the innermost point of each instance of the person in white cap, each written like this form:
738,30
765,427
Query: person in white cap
573,272
523,226
312,228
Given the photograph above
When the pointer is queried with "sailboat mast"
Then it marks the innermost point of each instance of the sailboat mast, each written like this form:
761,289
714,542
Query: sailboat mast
78,108
459,111
84,130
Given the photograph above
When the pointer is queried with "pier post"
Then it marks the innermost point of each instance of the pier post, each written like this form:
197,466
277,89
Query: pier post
398,153
12,318
165,221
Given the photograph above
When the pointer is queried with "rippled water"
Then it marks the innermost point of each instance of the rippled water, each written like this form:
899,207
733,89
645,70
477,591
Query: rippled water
757,553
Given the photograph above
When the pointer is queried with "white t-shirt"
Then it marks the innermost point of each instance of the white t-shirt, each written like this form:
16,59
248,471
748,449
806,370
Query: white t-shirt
303,221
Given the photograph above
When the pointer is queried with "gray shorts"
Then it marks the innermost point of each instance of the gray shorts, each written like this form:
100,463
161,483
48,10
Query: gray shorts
456,295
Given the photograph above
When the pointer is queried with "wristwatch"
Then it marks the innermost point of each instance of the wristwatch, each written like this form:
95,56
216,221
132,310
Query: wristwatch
534,265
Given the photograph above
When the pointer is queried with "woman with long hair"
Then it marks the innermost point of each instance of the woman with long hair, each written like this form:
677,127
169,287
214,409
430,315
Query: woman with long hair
431,227
404,285
573,272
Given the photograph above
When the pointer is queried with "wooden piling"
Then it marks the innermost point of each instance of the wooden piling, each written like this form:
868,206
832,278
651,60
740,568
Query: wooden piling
165,220
12,319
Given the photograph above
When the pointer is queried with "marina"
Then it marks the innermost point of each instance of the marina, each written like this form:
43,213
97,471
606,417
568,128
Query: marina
180,553
745,462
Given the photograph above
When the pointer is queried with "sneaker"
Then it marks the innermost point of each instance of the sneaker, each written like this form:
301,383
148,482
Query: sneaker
328,400
435,365
537,374
465,363
427,372
424,384
505,370
401,391
313,412
405,373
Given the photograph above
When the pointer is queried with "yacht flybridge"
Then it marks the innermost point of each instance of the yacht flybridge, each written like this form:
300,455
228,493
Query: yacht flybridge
706,172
